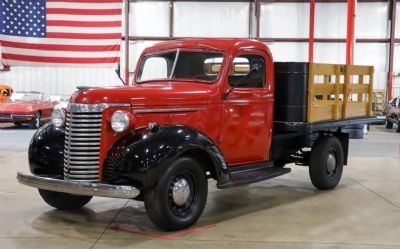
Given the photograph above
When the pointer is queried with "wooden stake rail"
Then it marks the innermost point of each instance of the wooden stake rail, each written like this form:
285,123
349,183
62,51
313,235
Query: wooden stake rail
339,91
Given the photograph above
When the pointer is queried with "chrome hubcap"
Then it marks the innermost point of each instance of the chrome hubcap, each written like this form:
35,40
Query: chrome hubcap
331,163
180,192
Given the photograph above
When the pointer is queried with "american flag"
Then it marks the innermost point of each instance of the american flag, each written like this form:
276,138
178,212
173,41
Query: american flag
60,32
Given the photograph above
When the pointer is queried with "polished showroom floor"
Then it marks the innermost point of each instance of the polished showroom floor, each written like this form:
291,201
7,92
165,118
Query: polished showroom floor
285,212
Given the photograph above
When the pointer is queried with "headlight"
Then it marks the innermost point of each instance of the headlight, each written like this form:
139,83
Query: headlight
58,118
119,121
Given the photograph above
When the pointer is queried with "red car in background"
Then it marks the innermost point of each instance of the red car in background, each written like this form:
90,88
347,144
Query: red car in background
26,108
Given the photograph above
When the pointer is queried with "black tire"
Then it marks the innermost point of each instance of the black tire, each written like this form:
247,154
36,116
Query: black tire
17,123
159,201
389,125
398,126
35,122
64,201
325,172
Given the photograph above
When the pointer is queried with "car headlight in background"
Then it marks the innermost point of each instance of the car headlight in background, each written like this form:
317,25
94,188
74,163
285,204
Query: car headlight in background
119,121
58,118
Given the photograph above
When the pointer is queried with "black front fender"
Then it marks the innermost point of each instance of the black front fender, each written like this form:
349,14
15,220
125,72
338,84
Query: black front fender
46,151
141,158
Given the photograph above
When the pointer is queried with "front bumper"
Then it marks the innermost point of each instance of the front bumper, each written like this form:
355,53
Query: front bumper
78,187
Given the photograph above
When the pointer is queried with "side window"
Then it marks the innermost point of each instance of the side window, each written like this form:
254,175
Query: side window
248,71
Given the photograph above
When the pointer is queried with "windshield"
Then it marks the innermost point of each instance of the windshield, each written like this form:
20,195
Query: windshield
26,97
181,65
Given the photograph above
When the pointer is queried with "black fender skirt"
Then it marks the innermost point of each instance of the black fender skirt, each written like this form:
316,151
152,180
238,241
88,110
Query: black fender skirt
140,158
46,151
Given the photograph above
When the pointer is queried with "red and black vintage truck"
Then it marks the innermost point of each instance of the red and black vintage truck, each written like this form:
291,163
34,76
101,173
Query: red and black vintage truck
198,109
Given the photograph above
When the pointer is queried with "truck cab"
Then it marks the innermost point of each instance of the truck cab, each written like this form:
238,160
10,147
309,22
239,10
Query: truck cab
198,109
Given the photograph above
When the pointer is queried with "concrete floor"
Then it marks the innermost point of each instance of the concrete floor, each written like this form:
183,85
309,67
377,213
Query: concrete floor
282,213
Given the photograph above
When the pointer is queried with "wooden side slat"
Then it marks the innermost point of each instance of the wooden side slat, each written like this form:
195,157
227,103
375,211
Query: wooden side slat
324,89
353,88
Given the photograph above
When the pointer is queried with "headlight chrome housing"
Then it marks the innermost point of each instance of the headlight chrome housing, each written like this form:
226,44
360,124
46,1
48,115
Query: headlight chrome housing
58,117
119,121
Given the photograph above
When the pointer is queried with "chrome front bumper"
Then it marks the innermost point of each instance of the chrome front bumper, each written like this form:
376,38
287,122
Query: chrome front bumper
78,187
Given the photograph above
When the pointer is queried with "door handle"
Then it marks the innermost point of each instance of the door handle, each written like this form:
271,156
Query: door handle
269,95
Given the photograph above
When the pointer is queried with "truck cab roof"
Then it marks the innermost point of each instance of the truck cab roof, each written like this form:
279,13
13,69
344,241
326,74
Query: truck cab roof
226,44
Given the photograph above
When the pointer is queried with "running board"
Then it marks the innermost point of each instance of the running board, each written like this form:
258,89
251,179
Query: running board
253,173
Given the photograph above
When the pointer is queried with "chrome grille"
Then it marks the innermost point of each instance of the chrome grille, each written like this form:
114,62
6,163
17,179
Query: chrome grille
82,146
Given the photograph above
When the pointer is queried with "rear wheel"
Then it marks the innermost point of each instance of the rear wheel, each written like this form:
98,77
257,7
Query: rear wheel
35,122
326,163
178,199
64,201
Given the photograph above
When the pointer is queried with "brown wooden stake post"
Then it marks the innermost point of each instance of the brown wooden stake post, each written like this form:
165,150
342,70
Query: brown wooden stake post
126,42
337,92
326,82
345,91
370,90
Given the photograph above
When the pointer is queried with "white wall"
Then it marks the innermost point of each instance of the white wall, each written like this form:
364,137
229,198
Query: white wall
195,19
53,81
207,19
290,20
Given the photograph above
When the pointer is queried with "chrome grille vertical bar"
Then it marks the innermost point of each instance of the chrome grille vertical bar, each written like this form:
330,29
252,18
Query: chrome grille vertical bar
82,146
82,140
66,174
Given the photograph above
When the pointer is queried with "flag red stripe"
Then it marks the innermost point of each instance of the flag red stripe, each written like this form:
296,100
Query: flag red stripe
56,47
83,36
45,59
84,1
65,11
83,24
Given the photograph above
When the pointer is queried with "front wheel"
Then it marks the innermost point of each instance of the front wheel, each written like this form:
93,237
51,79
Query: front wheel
64,201
178,199
326,163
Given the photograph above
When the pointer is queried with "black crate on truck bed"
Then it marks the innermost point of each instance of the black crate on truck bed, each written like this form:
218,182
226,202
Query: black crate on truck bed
291,80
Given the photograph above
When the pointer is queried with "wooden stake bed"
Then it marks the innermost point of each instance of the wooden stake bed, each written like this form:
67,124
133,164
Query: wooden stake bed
338,92
312,97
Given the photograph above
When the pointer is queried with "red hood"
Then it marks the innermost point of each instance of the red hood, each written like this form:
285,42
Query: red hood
163,93
17,107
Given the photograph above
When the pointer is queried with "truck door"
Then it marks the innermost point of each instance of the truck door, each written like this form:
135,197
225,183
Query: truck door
247,109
